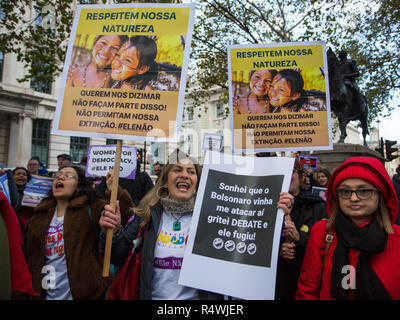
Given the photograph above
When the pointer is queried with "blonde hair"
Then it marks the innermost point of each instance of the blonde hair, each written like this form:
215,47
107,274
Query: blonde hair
382,215
158,191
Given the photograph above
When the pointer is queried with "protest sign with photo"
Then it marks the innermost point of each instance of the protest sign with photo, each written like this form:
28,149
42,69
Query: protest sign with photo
308,161
319,191
101,159
236,227
4,186
279,97
125,71
213,141
35,190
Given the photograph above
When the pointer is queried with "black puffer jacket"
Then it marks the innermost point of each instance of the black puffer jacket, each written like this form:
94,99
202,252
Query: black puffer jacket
307,210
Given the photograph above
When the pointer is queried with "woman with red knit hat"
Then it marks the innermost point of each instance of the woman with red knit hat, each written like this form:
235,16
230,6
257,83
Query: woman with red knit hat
356,253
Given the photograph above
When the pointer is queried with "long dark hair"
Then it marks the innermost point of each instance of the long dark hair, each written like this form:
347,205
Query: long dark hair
296,83
146,49
84,186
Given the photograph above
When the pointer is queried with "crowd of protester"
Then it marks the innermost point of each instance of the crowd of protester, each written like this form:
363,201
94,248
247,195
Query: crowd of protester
357,226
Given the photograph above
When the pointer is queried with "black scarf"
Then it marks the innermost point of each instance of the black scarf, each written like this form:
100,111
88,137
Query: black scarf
369,240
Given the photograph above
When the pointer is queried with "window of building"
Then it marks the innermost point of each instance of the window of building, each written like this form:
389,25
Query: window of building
40,85
111,141
78,148
220,110
40,139
190,144
1,65
190,113
181,142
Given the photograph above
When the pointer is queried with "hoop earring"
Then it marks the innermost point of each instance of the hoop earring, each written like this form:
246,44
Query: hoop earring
158,192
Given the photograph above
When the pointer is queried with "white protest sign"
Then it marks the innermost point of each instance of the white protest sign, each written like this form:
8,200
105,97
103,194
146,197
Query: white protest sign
101,160
212,141
235,231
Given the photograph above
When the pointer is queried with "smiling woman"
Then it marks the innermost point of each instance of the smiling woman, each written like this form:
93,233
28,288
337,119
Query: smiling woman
166,212
96,73
62,231
360,236
134,65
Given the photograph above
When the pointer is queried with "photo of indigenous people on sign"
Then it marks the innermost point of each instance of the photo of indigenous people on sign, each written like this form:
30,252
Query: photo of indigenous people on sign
125,71
279,97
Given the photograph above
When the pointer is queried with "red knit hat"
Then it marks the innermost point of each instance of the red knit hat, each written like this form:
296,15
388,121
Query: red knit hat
360,171
370,170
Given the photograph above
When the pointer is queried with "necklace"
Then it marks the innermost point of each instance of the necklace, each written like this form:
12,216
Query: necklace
181,208
248,107
176,225
104,80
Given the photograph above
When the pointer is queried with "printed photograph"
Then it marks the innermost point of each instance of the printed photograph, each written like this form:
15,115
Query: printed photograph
122,62
277,91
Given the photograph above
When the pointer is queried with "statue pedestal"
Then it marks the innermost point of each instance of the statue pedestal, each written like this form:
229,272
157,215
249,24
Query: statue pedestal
331,159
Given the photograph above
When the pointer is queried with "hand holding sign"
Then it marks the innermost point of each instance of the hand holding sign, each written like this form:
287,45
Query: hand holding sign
109,179
285,202
290,232
287,250
111,218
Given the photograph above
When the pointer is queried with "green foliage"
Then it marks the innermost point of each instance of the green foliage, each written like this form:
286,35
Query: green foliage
375,45
40,43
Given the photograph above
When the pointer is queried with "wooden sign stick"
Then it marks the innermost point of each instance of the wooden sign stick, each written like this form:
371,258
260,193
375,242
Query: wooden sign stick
287,219
113,202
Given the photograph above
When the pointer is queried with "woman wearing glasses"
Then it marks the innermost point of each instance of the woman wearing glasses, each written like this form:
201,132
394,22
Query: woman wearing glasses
356,253
134,65
97,73
61,239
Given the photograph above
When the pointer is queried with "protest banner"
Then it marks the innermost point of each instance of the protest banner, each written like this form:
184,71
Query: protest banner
125,72
235,232
308,161
319,191
35,190
4,186
101,159
212,141
279,97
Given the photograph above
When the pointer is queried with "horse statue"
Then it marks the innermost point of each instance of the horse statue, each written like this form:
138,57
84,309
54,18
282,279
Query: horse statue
347,102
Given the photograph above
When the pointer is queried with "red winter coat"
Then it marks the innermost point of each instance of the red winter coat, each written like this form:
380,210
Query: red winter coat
314,281
21,279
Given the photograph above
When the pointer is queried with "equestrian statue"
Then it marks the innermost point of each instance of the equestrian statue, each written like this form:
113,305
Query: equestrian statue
347,102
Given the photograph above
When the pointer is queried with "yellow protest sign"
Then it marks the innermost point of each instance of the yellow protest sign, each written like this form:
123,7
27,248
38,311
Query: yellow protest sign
125,71
279,97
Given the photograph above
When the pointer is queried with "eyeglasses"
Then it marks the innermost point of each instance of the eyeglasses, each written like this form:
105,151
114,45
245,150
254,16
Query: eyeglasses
361,194
66,176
